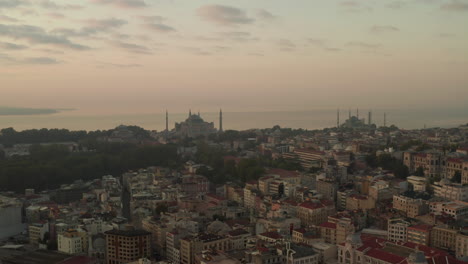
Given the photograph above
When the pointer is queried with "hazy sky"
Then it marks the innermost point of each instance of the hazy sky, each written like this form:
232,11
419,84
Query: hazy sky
147,55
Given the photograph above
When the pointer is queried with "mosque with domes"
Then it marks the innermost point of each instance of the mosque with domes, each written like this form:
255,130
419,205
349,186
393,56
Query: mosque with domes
195,126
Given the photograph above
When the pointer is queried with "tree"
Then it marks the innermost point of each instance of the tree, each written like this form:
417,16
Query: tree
456,177
161,208
419,171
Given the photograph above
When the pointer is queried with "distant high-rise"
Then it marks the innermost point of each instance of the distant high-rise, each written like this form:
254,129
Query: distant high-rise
369,119
220,120
167,122
384,119
338,118
357,113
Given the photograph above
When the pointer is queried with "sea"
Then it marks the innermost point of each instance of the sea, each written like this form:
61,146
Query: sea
310,119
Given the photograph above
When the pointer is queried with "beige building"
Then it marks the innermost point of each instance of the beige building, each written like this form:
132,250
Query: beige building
419,234
37,232
190,246
158,230
452,166
328,188
72,242
397,230
451,191
335,232
359,202
444,238
313,213
464,179
461,245
430,162
125,246
419,183
238,239
412,207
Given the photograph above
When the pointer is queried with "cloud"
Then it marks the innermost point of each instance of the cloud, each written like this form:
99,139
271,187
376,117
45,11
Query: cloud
224,15
354,6
365,45
11,3
122,3
152,19
37,35
197,51
265,15
447,35
131,47
383,29
47,4
40,60
7,18
238,36
55,15
322,43
159,27
286,45
395,5
30,60
104,24
12,46
316,42
156,23
118,65
456,6
93,26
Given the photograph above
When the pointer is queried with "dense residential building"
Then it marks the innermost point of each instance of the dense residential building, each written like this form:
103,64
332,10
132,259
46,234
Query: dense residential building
336,202
328,188
419,234
359,202
411,207
72,242
397,230
461,243
314,212
430,162
444,237
418,184
124,246
451,191
190,246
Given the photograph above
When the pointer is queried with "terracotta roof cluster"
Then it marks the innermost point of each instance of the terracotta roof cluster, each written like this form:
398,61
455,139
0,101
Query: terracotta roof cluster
273,235
328,225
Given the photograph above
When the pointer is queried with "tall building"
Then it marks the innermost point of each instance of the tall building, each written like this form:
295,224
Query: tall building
72,242
194,126
190,246
124,246
397,230
220,120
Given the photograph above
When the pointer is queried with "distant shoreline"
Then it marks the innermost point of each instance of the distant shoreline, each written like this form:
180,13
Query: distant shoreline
19,111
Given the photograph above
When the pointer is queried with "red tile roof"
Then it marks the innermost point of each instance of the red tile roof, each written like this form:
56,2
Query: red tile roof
385,256
328,225
273,235
311,205
422,227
